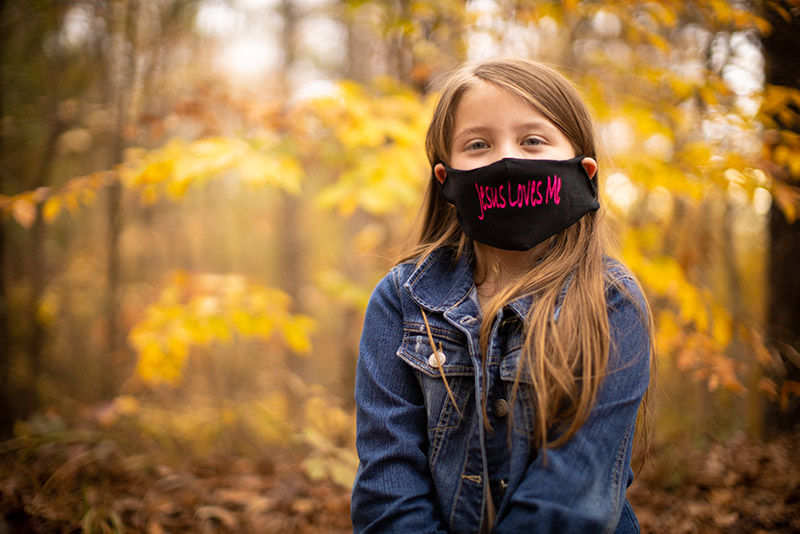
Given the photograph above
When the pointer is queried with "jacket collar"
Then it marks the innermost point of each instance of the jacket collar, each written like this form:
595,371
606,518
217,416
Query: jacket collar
441,283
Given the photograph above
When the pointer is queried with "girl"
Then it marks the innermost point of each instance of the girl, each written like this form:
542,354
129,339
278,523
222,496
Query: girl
502,364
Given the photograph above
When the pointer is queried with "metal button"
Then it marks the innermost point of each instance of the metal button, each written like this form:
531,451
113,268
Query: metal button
500,407
434,362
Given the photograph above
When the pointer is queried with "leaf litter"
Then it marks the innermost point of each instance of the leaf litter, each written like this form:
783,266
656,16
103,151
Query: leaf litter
76,481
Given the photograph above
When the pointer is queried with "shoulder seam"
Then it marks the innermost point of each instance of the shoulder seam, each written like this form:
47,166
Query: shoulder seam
394,273
615,272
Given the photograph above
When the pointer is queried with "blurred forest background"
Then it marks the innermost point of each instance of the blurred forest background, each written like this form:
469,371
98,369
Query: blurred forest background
197,197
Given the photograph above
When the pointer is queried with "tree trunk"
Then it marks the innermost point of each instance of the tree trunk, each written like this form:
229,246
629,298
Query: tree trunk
6,414
38,235
122,72
783,299
290,242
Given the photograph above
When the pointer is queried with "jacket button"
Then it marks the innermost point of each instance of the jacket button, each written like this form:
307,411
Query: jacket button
433,361
500,407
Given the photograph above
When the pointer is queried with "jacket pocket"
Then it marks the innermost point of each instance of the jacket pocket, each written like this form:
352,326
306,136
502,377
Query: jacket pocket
443,414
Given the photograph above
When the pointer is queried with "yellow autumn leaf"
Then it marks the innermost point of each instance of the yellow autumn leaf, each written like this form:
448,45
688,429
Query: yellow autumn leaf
339,196
658,41
780,154
794,164
177,186
665,13
722,327
244,322
262,326
217,151
696,154
257,170
296,332
51,209
156,172
87,196
745,18
219,329
290,175
177,348
200,309
150,357
722,10
709,95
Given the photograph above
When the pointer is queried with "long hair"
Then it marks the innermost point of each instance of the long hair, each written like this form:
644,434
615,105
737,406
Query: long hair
573,351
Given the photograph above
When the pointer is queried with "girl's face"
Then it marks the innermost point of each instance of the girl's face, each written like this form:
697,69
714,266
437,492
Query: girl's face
492,123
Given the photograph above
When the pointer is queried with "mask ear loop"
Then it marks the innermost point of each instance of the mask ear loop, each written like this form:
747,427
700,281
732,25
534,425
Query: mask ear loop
439,362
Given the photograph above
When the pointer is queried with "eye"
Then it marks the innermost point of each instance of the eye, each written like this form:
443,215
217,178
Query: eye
532,141
477,145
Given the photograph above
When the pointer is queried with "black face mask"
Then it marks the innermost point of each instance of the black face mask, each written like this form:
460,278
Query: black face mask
515,204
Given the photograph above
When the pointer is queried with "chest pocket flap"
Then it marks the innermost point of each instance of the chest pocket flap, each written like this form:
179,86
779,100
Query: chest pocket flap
416,350
511,363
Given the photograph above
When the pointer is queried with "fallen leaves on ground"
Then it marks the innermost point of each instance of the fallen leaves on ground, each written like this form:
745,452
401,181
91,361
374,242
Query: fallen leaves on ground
743,485
85,481
82,482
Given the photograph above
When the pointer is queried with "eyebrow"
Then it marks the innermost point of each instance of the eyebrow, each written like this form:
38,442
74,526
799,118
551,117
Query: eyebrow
532,125
470,131
537,124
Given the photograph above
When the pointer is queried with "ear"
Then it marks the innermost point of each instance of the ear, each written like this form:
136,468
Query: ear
440,172
590,166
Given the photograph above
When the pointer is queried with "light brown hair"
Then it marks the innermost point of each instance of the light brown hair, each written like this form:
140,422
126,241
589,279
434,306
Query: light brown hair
565,382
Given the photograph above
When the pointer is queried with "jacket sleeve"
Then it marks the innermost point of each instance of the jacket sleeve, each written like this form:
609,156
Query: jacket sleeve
581,487
393,489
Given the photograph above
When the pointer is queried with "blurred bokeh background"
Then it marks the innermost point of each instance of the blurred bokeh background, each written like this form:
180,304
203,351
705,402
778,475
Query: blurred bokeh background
197,197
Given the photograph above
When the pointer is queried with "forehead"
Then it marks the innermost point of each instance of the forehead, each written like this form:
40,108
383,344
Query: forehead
484,104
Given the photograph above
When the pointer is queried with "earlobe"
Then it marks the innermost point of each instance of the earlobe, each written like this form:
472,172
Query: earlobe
440,172
590,165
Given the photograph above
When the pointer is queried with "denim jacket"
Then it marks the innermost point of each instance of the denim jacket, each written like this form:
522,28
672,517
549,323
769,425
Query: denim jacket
424,466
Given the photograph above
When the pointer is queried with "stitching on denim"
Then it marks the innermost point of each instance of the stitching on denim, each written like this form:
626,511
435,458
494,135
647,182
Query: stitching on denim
509,366
395,282
445,427
462,299
415,276
441,333
457,493
436,443
523,422
616,475
440,430
412,358
429,261
447,410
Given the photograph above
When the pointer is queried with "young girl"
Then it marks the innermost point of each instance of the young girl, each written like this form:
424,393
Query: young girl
502,365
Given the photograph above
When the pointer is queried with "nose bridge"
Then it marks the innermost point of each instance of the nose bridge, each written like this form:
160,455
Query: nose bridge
507,147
